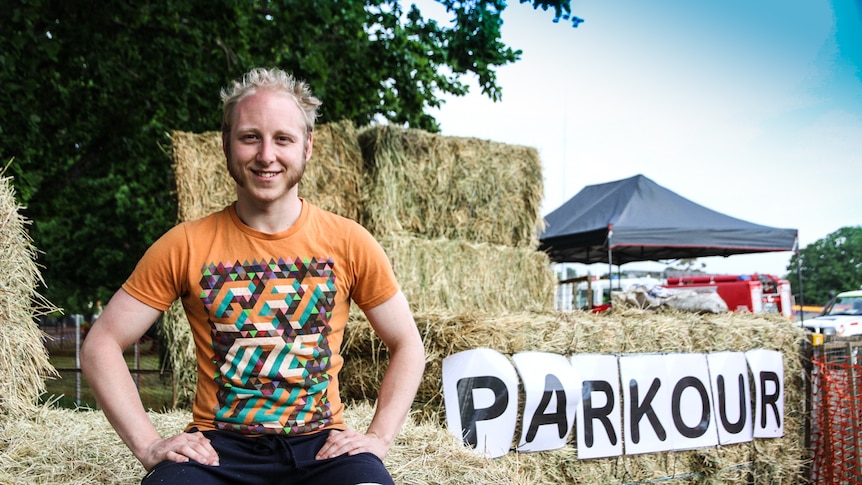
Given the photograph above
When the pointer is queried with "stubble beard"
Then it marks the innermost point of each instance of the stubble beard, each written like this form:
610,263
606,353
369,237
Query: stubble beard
294,176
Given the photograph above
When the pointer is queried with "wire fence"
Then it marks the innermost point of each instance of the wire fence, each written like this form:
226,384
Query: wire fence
836,411
70,389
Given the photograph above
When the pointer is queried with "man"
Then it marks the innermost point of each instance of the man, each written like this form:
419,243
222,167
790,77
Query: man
266,284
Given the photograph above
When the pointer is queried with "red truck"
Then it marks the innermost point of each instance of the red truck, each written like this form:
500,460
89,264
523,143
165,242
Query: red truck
756,293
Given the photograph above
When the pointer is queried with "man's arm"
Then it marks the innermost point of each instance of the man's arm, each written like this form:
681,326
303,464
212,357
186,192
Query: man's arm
393,322
123,321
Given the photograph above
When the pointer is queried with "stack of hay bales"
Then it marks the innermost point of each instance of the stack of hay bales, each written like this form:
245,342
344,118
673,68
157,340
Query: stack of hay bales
462,214
459,218
43,445
39,444
23,358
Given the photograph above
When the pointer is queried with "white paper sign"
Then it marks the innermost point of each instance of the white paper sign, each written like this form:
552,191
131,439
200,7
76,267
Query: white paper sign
599,423
630,404
731,397
692,422
480,391
646,403
767,370
552,391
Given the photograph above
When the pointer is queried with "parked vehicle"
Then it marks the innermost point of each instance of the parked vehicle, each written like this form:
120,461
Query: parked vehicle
842,316
755,293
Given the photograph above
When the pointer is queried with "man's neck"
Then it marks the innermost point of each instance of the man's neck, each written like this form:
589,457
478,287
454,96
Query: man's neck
270,218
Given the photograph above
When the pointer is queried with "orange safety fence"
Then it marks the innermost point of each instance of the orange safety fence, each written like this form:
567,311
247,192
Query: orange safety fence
836,414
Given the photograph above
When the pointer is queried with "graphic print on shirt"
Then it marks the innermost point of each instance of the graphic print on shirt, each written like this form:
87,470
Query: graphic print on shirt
270,322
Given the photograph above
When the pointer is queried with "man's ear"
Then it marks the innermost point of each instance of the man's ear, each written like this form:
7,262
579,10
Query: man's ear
308,146
225,144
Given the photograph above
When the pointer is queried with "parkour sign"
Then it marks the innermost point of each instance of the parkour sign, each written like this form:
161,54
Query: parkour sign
620,404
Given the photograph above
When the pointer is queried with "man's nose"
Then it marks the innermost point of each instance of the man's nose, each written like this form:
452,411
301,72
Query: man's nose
266,151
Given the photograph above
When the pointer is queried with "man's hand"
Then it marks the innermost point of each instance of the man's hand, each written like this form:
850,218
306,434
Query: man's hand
180,448
352,442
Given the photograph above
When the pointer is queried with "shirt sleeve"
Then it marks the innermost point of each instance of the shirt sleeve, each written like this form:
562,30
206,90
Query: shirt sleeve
160,276
375,280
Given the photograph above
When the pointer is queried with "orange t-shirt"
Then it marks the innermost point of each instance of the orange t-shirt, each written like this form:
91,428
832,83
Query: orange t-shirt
267,313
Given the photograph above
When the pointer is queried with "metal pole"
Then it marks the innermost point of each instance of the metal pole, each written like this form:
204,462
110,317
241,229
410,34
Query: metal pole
854,406
610,259
77,319
801,295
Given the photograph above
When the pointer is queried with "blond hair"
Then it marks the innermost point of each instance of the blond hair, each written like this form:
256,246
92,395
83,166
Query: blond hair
273,79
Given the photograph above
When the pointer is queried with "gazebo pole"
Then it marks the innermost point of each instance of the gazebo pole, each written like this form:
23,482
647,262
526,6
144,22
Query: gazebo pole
610,258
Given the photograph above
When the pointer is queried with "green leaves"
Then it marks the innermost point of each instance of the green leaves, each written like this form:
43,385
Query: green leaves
90,94
833,263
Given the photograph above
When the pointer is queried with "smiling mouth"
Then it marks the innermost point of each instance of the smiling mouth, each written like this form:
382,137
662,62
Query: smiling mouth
265,175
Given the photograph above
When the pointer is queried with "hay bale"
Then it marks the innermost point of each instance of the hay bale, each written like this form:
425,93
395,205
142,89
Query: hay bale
631,331
566,333
177,336
69,447
23,358
452,188
463,277
66,447
333,177
200,172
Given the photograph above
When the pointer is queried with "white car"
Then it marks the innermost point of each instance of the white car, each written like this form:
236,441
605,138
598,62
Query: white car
841,317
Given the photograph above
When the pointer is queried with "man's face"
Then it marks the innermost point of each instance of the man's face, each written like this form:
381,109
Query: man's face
267,147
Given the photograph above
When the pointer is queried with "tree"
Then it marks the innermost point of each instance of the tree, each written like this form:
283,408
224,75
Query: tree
90,95
833,263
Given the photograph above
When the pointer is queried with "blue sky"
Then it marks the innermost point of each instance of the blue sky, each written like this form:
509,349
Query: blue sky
750,108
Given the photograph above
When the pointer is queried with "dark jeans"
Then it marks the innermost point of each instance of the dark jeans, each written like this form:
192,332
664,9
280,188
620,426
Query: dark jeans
271,459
